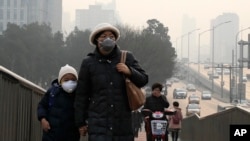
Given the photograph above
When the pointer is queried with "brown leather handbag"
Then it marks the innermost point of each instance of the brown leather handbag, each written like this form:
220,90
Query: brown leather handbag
136,97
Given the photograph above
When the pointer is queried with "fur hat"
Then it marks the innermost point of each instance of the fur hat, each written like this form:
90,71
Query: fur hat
100,28
65,70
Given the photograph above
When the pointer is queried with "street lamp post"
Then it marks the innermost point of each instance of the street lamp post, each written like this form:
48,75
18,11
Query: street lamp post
182,45
190,32
236,58
176,43
214,27
199,49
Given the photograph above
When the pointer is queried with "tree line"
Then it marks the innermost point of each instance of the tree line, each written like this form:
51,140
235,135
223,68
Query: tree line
35,53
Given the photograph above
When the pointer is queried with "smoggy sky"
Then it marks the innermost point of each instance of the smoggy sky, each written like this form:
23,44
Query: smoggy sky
170,12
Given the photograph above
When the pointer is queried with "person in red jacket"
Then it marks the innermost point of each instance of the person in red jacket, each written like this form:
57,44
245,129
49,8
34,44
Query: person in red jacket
175,121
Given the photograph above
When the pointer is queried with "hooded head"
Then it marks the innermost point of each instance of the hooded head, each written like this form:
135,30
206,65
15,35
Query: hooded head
67,69
100,28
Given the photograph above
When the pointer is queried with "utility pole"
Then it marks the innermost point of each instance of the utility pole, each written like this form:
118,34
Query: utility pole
231,81
230,84
213,29
222,81
241,85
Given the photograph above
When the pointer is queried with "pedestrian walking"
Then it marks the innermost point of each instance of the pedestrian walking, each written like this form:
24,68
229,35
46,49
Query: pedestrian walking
175,121
56,109
102,108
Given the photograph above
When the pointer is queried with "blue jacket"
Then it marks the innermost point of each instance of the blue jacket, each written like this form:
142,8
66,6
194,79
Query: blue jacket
57,106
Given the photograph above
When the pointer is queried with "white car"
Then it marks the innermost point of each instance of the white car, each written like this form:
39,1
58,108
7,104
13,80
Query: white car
168,83
206,95
179,93
191,87
193,109
226,71
194,99
244,79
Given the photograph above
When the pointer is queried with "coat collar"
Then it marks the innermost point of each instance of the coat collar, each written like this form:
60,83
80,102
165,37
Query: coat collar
116,52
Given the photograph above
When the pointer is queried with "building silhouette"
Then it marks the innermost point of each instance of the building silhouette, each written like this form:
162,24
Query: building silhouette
95,14
224,37
22,12
188,25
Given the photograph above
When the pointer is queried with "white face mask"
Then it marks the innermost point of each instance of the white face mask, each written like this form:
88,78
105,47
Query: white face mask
69,86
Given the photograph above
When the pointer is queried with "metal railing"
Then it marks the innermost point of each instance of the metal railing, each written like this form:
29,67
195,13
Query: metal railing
18,104
18,107
215,127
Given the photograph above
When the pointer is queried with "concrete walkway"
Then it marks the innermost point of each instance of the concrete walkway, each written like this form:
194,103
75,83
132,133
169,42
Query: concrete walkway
141,136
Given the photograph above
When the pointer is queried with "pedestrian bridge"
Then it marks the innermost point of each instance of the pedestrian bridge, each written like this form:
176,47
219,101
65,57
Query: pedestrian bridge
18,122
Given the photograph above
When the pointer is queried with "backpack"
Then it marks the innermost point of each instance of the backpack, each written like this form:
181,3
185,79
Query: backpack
176,118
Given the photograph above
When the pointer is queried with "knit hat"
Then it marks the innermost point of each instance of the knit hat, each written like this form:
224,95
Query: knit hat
65,70
100,28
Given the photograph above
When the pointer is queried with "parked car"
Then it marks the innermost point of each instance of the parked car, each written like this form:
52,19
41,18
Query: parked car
206,95
193,109
191,87
194,99
179,93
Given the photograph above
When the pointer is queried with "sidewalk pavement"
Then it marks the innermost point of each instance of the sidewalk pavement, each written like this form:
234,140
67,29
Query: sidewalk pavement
141,136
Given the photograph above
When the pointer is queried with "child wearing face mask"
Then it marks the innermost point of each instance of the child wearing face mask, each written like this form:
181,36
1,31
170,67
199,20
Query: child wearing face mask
56,109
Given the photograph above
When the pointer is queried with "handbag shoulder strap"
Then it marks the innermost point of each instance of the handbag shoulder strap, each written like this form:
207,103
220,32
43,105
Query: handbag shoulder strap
123,56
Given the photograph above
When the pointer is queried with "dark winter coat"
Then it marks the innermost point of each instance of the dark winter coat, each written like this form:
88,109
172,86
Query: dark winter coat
101,96
59,112
156,103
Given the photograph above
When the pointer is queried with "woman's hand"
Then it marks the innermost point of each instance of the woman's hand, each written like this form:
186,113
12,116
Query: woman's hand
83,130
45,125
123,68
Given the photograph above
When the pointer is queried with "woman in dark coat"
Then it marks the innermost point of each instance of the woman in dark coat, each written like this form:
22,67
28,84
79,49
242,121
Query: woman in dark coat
101,104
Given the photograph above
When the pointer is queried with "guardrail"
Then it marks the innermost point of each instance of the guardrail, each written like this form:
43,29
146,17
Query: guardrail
200,79
215,127
18,107
18,104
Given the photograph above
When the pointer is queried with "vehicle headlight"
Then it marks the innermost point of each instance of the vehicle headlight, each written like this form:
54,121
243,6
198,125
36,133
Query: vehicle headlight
158,115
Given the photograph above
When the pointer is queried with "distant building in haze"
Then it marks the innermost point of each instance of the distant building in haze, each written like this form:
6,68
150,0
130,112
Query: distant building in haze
22,12
224,37
98,13
188,25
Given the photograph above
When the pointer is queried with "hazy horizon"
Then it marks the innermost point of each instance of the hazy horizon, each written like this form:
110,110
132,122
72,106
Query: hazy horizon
170,12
